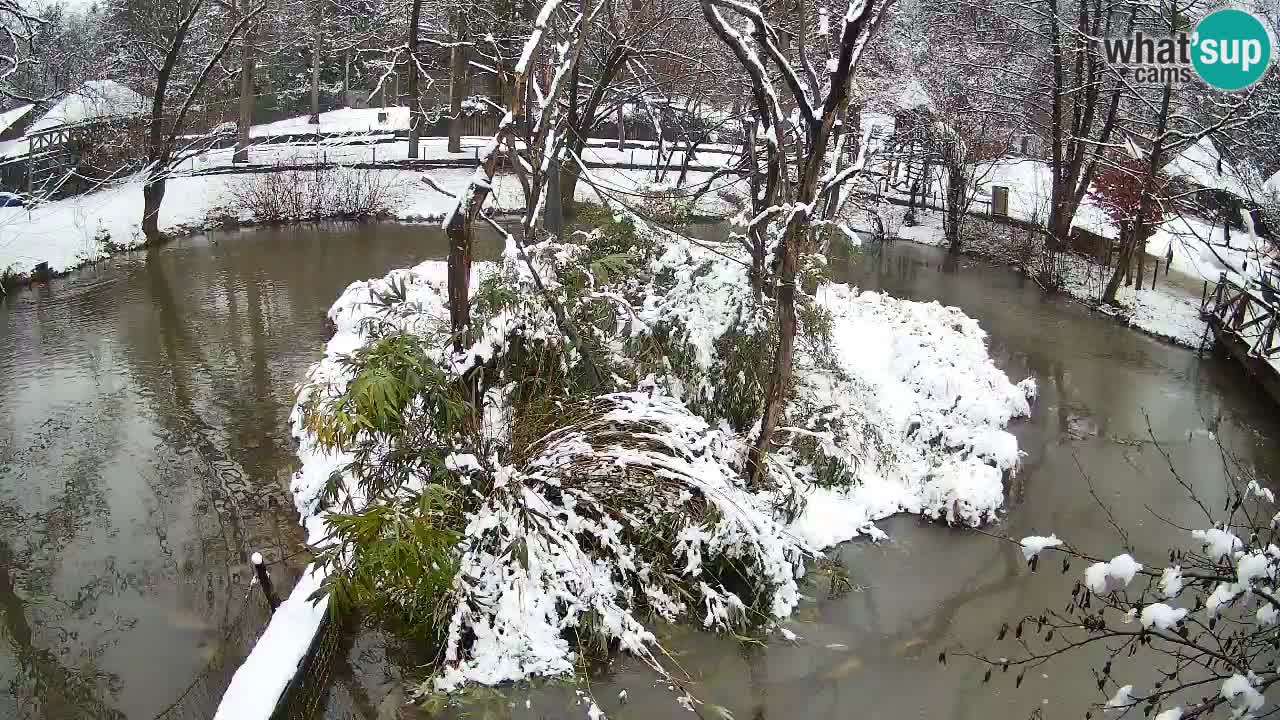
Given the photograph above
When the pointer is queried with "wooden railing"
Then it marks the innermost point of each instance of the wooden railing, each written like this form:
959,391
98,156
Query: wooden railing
1244,315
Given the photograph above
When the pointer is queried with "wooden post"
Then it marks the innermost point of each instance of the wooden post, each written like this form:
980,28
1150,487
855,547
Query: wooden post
264,579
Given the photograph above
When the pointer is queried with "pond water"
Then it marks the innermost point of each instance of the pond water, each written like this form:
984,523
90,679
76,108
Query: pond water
144,453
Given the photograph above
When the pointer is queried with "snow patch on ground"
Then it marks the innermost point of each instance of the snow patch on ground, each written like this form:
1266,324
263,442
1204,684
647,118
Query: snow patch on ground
1169,310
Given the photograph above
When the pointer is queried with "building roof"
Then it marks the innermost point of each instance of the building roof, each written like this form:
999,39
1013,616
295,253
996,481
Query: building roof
94,100
1202,165
1272,185
9,117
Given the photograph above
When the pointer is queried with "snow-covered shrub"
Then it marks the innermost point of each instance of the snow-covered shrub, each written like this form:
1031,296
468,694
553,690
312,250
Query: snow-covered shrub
324,193
603,509
631,486
629,509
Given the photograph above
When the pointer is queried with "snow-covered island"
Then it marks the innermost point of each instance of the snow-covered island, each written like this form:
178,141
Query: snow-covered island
632,505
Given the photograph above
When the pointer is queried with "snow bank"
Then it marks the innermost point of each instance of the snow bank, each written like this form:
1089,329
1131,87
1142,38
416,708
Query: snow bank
264,675
1169,310
68,233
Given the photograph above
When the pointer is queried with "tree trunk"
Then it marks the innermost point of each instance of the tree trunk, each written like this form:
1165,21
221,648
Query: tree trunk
459,277
457,83
841,137
415,103
152,197
954,212
569,176
315,63
780,378
246,97
622,127
1122,263
1140,247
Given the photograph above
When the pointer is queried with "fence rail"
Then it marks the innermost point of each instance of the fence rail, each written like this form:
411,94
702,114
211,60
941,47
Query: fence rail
1245,316
1246,324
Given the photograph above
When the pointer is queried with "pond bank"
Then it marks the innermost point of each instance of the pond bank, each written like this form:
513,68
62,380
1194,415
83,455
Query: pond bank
1169,310
74,232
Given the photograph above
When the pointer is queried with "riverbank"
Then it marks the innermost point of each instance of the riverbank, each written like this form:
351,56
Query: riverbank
71,233
1168,311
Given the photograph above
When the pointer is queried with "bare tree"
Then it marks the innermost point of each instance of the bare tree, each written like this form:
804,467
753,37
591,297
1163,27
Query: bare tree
458,81
528,135
787,202
1156,123
17,25
1051,78
415,101
317,40
194,35
247,67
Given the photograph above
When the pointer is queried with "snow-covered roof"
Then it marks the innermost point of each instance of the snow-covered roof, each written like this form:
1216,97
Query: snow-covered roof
94,100
9,117
1202,165
1273,184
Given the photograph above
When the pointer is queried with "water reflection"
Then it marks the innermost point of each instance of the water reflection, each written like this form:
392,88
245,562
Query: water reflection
144,453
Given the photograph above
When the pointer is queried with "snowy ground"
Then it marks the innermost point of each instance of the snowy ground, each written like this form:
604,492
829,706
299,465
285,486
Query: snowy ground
360,148
1201,249
71,232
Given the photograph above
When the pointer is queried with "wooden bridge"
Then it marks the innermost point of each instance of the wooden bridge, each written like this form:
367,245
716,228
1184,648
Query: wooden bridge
1246,323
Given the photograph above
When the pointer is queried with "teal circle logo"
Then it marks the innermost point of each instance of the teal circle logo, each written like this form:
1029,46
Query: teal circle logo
1231,49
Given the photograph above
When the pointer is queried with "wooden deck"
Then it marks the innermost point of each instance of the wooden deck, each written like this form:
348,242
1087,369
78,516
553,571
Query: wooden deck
1247,325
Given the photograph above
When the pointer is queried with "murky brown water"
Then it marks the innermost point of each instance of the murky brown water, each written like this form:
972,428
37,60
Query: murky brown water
144,453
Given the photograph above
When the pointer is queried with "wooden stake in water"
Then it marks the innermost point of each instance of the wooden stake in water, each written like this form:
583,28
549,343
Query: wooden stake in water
264,579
